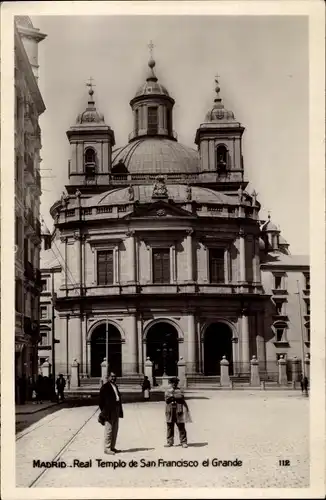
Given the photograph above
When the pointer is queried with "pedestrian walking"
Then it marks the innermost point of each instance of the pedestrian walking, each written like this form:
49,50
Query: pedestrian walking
301,383
146,387
39,389
111,410
176,412
61,384
305,385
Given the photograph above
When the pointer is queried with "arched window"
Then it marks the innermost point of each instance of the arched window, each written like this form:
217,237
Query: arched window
90,162
152,119
221,157
89,156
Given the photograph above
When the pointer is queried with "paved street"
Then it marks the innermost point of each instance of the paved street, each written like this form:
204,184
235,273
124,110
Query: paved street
256,427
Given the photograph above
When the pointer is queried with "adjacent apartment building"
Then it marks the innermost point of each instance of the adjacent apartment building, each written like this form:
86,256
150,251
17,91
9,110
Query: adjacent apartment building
29,106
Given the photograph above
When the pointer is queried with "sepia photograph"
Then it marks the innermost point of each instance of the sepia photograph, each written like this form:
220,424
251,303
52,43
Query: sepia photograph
162,253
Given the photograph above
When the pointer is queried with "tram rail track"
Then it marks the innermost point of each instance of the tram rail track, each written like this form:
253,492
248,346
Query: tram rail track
58,455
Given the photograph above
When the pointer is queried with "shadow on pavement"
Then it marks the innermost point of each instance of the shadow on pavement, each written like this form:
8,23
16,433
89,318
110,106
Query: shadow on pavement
197,445
133,450
196,397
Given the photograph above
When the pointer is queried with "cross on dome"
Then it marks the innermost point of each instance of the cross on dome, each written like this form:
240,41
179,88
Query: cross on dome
151,47
90,84
151,63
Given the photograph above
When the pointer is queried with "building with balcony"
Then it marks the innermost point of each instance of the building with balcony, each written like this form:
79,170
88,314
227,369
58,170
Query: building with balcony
162,247
286,278
29,106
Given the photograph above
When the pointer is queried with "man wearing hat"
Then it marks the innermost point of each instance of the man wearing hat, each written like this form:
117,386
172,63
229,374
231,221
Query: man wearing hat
176,412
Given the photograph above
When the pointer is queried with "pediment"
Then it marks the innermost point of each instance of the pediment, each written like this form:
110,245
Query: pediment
160,209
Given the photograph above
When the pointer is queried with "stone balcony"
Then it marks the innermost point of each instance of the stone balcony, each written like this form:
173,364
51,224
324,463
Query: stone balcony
179,288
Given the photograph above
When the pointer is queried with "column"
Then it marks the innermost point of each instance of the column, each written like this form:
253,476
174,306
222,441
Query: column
256,262
66,265
245,341
80,357
83,368
116,265
131,363
191,343
132,257
260,341
78,238
211,155
173,263
226,265
140,345
67,345
189,250
204,154
242,251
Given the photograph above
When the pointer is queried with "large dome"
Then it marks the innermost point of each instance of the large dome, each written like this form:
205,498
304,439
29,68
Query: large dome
156,156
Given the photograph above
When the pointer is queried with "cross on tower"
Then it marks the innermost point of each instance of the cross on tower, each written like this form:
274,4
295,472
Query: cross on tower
151,47
90,84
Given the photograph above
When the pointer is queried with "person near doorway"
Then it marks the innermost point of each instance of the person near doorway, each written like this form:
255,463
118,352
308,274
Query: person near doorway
176,412
61,384
39,389
111,410
146,387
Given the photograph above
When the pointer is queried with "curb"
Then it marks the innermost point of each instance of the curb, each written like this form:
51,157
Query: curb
36,410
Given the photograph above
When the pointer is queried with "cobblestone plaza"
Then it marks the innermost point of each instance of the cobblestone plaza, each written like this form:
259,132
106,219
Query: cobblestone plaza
258,428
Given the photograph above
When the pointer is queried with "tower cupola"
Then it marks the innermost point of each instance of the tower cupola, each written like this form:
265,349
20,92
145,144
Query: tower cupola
152,107
91,141
219,141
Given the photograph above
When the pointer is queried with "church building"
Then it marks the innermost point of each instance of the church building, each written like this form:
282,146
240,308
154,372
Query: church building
161,246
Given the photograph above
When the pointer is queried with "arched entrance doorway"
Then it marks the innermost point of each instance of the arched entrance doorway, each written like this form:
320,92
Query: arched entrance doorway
217,343
98,349
162,348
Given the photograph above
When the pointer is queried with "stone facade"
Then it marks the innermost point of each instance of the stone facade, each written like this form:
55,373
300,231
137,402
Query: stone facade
28,107
162,248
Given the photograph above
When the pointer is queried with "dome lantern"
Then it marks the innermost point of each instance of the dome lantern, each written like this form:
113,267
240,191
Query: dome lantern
218,111
152,107
90,116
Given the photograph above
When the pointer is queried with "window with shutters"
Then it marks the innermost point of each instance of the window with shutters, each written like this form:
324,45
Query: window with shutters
152,120
216,265
105,267
161,265
44,312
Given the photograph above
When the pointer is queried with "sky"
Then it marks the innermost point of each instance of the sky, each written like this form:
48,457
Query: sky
262,63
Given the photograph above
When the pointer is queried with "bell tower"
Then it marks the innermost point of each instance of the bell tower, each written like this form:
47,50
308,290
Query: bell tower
219,141
91,141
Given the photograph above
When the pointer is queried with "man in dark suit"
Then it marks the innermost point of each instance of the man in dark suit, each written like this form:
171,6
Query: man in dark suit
111,410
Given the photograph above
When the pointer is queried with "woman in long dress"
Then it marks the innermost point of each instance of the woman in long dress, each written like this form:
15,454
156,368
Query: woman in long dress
146,387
